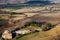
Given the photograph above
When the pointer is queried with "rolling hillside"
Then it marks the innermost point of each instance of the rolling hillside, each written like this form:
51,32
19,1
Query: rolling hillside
52,34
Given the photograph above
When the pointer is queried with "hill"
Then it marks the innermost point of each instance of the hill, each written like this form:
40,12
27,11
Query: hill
38,2
52,34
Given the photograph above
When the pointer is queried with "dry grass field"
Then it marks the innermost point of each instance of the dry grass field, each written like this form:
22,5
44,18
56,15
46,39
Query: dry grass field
52,34
53,17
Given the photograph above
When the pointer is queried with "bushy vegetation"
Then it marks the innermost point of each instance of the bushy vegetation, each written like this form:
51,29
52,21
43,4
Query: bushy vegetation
1,19
47,26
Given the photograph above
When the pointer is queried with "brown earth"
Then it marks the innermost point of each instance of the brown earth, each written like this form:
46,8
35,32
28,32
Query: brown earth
53,18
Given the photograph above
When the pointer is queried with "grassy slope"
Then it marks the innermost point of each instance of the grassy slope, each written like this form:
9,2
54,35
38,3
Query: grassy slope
43,35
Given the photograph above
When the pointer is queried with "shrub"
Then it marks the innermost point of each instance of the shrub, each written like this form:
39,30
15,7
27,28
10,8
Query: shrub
47,26
1,19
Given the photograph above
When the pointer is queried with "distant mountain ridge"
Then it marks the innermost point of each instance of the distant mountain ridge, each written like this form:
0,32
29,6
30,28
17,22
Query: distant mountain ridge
24,1
12,1
25,4
38,2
